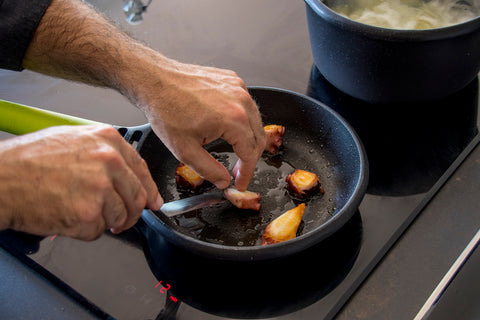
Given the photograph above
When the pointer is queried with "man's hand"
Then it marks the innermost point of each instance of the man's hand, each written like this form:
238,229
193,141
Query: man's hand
74,181
197,105
187,105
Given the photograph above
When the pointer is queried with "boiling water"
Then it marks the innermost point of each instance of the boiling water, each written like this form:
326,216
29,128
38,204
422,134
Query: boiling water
407,14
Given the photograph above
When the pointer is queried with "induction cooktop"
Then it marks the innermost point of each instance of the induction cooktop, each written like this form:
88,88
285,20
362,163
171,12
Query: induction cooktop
412,150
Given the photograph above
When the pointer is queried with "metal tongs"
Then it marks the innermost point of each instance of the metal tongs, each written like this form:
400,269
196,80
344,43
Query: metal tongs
173,208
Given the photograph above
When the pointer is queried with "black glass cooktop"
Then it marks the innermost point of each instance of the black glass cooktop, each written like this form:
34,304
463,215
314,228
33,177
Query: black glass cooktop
412,149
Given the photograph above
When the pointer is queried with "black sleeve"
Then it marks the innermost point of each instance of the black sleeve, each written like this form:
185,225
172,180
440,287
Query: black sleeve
18,21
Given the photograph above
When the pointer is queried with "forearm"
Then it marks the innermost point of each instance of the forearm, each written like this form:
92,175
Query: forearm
75,42
187,105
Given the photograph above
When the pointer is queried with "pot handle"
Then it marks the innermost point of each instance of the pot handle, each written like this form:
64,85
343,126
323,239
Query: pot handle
20,119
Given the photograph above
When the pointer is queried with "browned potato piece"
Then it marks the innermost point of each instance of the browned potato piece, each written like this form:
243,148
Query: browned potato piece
187,178
303,183
284,227
274,134
243,200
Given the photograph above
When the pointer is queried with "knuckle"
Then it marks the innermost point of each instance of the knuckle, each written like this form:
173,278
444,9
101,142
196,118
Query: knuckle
239,115
232,73
116,215
86,225
140,201
109,156
143,167
93,235
69,221
240,93
102,185
239,81
91,214
109,131
90,235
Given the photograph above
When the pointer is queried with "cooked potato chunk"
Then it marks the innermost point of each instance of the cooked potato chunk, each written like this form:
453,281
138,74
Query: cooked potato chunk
303,183
187,178
274,134
284,227
243,200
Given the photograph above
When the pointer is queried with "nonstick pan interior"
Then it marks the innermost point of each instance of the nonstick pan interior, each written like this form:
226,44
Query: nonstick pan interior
316,140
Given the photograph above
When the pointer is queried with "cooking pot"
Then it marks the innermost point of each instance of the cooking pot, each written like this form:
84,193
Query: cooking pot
381,65
216,266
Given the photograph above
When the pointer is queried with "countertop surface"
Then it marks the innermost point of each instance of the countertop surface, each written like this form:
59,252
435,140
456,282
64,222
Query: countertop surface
267,44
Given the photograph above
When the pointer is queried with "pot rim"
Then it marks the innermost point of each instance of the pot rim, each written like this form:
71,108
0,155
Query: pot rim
304,241
393,34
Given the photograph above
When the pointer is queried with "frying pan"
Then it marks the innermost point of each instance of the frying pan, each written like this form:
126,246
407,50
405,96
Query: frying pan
317,139
195,245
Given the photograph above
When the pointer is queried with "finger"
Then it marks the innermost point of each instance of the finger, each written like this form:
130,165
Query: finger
131,191
248,145
246,150
120,179
137,203
133,195
90,225
206,166
235,170
139,167
256,124
236,81
246,165
114,211
244,174
112,214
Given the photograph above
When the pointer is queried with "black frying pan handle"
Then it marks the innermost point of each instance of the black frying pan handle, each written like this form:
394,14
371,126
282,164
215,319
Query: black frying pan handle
135,135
